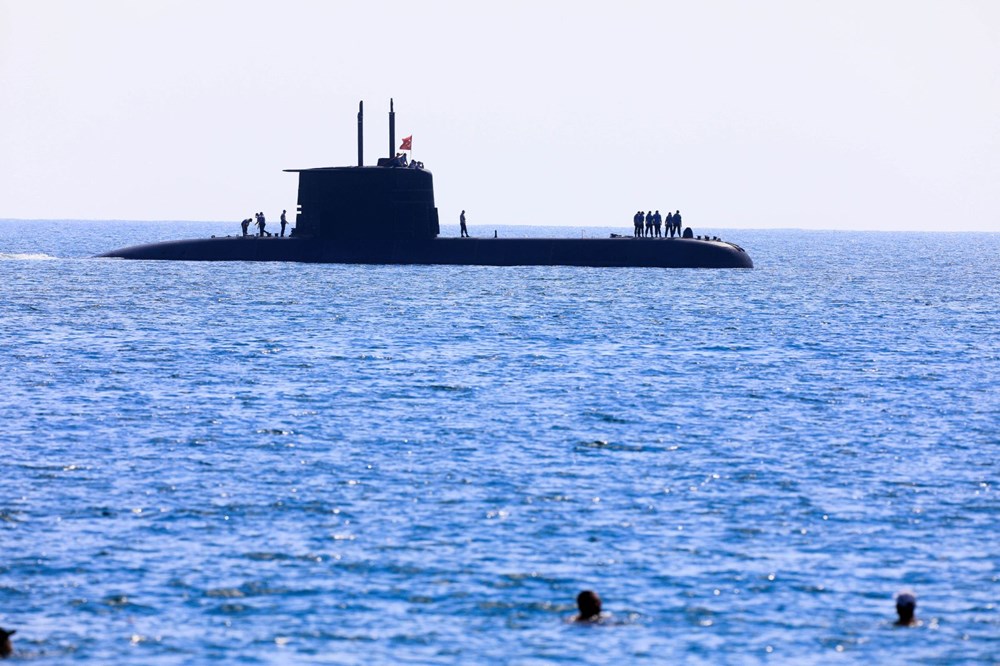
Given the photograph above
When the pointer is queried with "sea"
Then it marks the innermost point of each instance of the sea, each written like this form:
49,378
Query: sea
279,463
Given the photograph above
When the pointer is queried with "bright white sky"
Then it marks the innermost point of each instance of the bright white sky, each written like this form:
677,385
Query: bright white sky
855,114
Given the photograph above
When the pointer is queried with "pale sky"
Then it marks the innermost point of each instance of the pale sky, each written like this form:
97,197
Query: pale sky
772,114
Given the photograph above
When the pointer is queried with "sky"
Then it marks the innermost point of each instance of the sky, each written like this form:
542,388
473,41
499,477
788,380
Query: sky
769,114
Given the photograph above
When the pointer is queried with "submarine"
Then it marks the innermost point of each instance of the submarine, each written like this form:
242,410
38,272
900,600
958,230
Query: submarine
385,214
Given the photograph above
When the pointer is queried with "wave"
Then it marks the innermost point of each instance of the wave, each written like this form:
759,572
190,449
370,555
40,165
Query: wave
26,256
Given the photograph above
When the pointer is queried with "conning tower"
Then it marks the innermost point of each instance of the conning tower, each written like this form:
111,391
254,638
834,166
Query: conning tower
373,202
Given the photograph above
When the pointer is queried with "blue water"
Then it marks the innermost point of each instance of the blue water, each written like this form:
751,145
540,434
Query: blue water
267,463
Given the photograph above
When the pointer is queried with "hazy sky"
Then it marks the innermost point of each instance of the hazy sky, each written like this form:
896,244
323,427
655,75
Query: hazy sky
866,114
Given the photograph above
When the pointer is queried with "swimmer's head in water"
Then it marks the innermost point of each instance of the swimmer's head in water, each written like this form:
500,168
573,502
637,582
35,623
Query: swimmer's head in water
906,606
5,647
589,604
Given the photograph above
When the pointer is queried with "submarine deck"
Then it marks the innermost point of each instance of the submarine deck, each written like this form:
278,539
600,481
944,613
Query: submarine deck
597,252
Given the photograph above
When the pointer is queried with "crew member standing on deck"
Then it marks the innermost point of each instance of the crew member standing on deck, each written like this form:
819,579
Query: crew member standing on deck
649,223
657,221
677,222
637,223
461,222
261,223
245,224
284,223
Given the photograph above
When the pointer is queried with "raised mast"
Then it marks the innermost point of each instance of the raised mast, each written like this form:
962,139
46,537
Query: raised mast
392,130
361,133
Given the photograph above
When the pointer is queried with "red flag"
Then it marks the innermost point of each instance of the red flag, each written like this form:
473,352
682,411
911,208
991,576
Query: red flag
407,143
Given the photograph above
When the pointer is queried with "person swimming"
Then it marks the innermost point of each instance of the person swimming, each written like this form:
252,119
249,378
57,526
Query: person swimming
589,605
906,607
6,649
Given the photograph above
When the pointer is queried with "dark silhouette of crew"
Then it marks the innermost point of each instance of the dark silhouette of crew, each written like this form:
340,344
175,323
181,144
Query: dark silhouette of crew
284,223
637,223
906,607
657,221
6,649
649,223
245,224
589,605
461,222
677,222
261,223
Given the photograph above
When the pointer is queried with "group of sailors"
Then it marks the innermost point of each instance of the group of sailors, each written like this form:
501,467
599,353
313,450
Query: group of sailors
649,224
400,161
261,223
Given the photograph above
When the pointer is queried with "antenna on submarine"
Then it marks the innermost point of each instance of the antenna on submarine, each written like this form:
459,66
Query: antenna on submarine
392,130
361,133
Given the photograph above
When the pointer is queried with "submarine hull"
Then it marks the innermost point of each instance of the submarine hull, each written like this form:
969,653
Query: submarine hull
598,252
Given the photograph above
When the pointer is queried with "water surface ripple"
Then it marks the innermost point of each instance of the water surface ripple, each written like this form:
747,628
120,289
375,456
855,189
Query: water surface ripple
282,463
